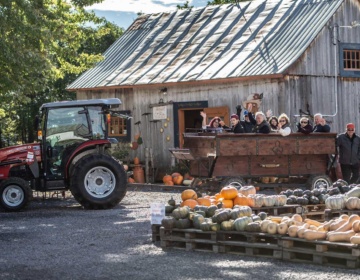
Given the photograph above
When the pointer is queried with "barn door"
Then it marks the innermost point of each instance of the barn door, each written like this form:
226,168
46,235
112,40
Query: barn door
222,112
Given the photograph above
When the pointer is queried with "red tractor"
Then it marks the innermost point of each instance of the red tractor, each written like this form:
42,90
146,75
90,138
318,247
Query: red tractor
73,154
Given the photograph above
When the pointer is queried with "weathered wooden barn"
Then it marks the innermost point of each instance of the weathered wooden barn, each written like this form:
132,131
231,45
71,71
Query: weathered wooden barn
167,67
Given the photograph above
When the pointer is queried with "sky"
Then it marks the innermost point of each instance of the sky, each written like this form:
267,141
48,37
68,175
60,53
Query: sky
124,12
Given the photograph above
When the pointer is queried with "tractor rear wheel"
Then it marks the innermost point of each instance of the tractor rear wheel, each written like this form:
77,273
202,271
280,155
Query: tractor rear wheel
98,181
15,193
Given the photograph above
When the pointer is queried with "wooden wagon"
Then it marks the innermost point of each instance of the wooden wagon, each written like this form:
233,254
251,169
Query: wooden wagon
241,159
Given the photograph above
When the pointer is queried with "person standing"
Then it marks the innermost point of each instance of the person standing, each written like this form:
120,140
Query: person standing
247,125
320,124
348,149
304,126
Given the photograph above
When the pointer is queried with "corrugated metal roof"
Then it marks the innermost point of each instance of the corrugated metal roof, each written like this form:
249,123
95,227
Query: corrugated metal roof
247,39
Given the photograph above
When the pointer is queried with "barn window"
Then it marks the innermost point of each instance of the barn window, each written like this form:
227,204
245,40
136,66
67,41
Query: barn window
119,127
350,60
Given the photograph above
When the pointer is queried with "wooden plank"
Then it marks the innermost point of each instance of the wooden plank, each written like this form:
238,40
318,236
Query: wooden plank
236,147
308,164
277,146
269,165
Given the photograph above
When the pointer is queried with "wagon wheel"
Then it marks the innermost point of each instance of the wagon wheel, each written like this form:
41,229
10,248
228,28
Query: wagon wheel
15,194
236,182
319,181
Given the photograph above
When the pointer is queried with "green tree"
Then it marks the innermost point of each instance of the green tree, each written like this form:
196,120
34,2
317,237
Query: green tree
45,44
221,2
184,6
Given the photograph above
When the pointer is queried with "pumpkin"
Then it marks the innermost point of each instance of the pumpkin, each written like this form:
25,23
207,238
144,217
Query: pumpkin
292,231
221,216
340,236
297,217
258,200
229,192
211,210
269,200
354,192
352,203
251,201
240,199
183,223
136,160
312,235
188,194
282,228
264,225
245,211
272,228
131,180
204,201
198,220
253,227
298,192
302,200
168,222
356,226
172,201
201,208
169,183
235,213
255,218
333,191
167,178
355,239
280,200
218,196
241,223
246,190
178,179
227,203
262,215
227,225
169,209
189,202
314,200
335,202
202,213
181,212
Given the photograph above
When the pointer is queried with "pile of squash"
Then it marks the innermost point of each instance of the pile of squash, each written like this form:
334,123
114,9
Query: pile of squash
349,200
229,196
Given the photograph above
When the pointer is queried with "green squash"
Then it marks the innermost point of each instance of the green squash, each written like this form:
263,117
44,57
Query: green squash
221,216
169,209
245,211
202,213
171,202
253,227
198,220
241,223
211,210
181,212
168,222
215,227
262,215
183,223
227,225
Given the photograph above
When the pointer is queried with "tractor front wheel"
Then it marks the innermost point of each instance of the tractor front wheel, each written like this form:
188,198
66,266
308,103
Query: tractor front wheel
15,193
98,181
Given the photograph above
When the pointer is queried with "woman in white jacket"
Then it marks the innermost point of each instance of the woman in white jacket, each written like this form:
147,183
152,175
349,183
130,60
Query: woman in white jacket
284,125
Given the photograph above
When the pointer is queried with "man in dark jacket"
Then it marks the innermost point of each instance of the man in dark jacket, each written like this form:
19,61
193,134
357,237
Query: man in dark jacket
320,124
348,148
247,125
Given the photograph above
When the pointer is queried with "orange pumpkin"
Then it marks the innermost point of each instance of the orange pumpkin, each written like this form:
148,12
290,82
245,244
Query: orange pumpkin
175,174
241,200
169,183
178,179
227,203
131,180
189,202
188,194
204,201
136,160
229,192
218,196
167,178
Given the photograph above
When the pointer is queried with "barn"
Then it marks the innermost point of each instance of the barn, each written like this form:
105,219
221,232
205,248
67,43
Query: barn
303,56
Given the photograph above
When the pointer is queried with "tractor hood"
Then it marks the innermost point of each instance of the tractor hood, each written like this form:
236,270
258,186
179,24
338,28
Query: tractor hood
25,152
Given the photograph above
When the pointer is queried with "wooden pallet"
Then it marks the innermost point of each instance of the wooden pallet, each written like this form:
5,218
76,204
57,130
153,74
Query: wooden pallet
331,214
314,212
286,210
188,239
249,244
338,254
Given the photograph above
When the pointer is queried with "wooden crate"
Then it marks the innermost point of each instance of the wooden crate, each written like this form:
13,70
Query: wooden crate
286,210
155,233
314,212
338,254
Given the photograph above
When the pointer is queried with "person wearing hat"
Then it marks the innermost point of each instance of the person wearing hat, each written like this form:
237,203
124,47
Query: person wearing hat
236,126
348,149
246,124
320,124
304,126
259,122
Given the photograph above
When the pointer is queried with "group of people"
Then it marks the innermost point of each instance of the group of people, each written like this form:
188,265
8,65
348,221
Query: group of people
347,143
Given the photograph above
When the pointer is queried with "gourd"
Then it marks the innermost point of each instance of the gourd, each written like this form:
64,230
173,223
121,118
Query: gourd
281,200
312,222
297,217
177,178
263,225
355,239
168,222
292,231
272,228
335,202
167,178
183,223
282,228
198,220
241,199
251,201
245,211
221,216
314,200
229,192
172,201
255,218
227,225
235,213
302,200
348,224
312,235
253,227
205,226
355,192
169,209
338,223
275,219
169,183
188,194
211,210
189,202
240,223
333,191
181,212
262,215
227,203
301,230
269,200
340,236
200,208
356,226
215,227
352,203
204,201
298,192
258,201
247,190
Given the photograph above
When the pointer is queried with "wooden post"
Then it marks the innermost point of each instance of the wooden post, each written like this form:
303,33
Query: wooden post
147,155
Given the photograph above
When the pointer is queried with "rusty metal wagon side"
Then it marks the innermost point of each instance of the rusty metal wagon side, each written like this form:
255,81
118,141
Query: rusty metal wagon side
240,159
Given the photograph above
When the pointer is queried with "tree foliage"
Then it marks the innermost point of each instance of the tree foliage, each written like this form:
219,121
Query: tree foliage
45,44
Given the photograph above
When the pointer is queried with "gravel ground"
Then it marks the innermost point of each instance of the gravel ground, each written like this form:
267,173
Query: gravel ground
56,239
